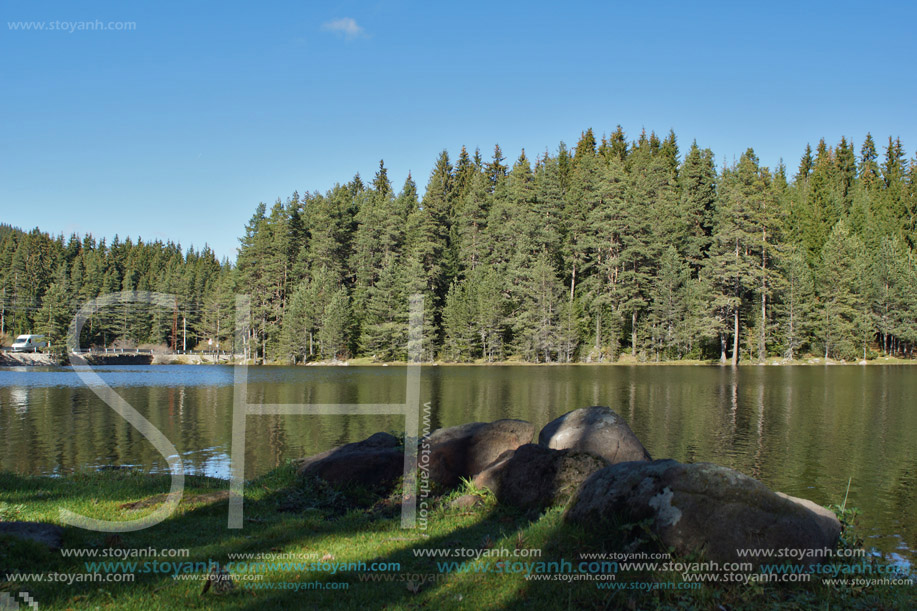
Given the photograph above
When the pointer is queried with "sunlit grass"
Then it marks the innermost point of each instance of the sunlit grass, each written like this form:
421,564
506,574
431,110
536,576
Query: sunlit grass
287,515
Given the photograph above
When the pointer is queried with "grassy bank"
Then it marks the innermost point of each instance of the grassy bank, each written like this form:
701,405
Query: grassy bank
311,522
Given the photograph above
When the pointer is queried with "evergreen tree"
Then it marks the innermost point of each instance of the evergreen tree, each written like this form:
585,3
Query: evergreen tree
868,169
886,289
471,224
458,323
652,190
617,144
796,305
53,319
845,160
805,165
668,309
489,306
536,316
602,291
495,170
384,332
842,321
739,253
697,185
333,332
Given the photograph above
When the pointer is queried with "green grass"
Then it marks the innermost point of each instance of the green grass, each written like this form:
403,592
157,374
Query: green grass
286,514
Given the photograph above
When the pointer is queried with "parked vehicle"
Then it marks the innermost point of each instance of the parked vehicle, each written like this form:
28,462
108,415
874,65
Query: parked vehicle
28,343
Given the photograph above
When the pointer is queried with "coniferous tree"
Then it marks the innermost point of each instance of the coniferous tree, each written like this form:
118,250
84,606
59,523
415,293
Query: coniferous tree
333,332
54,316
737,249
652,189
841,314
845,160
697,185
471,223
796,304
384,330
489,307
458,323
868,169
886,289
602,292
668,310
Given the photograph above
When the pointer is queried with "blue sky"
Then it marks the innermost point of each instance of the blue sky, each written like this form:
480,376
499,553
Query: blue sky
177,128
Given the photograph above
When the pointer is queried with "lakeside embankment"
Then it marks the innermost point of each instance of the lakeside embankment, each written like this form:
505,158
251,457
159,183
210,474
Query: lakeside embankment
37,359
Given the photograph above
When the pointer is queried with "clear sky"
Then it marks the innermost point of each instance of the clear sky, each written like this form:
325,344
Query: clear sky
177,128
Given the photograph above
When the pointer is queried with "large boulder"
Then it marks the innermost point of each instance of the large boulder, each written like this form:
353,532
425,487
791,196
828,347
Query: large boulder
374,463
535,477
49,535
492,440
448,453
467,449
702,508
597,430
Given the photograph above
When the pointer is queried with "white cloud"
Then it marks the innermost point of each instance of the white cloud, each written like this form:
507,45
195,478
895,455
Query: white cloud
345,26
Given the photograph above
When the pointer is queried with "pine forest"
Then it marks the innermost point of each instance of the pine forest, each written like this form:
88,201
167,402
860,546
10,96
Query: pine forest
614,250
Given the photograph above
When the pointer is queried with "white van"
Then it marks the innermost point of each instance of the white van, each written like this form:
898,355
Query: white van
28,343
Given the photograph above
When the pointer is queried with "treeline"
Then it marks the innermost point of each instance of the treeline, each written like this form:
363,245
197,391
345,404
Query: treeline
44,280
614,247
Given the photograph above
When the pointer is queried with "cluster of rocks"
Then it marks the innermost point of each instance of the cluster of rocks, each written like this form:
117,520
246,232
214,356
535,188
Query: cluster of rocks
591,461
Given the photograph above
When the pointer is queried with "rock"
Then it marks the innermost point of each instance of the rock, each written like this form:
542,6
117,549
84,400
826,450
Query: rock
827,520
465,450
466,501
492,440
535,477
375,462
39,532
448,453
700,507
597,430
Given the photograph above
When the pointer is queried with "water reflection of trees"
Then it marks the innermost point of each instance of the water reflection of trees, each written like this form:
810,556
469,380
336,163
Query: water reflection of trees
802,430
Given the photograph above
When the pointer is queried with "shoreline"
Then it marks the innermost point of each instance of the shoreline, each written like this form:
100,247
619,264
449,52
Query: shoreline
8,359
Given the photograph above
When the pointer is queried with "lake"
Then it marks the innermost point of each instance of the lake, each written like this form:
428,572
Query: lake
803,430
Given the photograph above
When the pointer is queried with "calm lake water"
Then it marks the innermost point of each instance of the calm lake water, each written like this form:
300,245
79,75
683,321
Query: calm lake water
805,431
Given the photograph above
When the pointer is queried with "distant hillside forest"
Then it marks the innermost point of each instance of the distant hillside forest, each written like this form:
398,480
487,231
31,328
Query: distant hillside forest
614,247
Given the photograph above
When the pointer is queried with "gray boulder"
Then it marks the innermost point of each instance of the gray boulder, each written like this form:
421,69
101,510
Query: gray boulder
49,535
597,430
535,477
448,453
375,462
491,440
466,450
702,508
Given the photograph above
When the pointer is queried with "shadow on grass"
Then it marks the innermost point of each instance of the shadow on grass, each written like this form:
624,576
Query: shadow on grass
283,513
288,514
